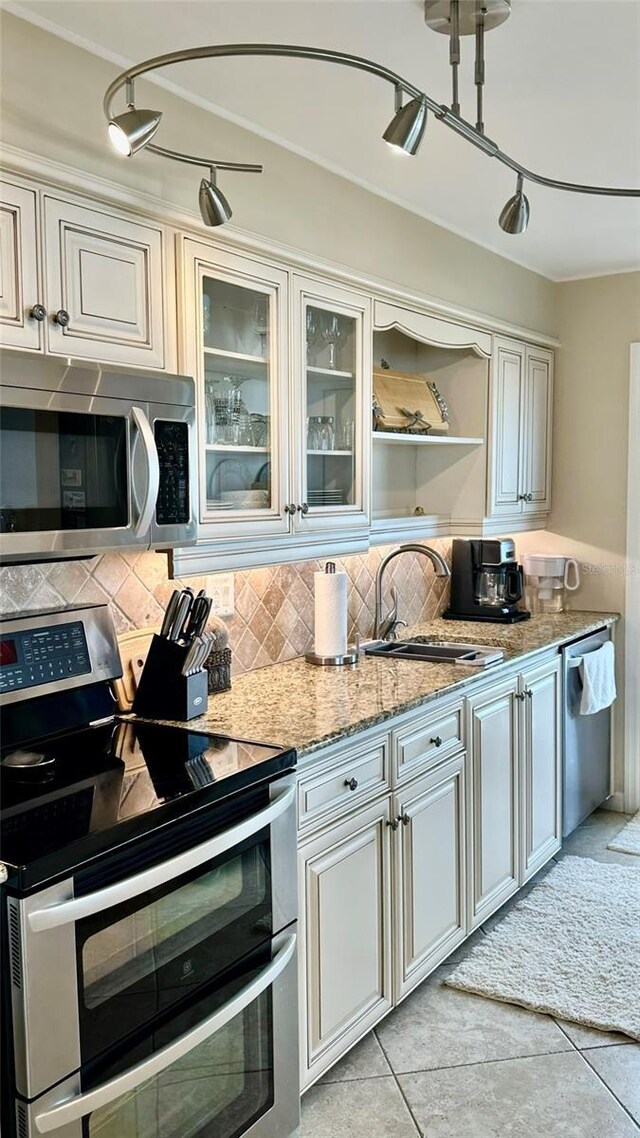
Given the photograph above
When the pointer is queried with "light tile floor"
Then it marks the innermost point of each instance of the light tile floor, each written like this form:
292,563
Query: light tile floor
448,1064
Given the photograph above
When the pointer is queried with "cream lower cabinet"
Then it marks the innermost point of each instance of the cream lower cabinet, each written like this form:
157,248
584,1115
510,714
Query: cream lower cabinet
541,766
345,952
514,784
429,872
493,798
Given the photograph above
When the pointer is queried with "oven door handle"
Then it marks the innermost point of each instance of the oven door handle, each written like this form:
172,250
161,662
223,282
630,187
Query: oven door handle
153,470
81,1105
75,909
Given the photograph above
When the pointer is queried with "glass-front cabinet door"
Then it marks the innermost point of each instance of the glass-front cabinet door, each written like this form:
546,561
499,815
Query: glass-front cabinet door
235,344
332,385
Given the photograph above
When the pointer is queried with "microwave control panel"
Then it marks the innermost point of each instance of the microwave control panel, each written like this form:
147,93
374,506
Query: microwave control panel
43,656
172,442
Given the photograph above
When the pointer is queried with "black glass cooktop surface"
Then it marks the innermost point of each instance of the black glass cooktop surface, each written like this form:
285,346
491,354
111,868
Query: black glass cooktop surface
88,791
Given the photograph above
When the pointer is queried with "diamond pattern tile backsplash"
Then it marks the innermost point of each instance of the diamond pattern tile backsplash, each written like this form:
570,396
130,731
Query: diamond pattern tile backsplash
273,618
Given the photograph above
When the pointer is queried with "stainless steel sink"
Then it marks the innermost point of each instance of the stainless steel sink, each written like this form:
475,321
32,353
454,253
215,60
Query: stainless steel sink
436,652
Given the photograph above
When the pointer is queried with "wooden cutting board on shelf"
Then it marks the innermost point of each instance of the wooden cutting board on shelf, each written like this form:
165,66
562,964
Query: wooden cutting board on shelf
408,403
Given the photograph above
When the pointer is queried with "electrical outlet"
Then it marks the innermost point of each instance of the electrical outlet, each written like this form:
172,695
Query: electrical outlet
220,589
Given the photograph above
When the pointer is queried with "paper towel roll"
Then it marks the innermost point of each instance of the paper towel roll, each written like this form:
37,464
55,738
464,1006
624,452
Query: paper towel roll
330,623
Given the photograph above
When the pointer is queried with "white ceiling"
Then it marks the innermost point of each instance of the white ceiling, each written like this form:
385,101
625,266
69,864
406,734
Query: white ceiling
562,96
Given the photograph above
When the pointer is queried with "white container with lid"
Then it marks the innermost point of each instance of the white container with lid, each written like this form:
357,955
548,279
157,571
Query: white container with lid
548,579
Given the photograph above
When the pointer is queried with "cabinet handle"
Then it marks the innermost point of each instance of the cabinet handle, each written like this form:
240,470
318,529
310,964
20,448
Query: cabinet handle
394,823
303,509
352,783
405,819
437,741
38,312
290,508
529,693
521,695
529,497
62,318
522,497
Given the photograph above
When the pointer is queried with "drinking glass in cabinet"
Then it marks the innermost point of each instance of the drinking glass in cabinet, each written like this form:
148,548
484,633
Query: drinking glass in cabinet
235,319
332,332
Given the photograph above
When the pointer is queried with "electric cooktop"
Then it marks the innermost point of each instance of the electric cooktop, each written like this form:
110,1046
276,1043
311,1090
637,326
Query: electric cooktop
81,793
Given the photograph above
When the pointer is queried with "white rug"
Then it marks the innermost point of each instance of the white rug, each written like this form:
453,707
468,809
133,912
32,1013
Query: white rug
570,948
627,840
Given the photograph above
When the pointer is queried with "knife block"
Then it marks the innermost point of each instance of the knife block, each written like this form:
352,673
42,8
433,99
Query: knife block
163,692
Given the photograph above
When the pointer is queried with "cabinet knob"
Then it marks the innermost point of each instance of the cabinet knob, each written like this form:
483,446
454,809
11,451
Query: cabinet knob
405,819
436,741
290,508
38,312
62,318
529,693
303,509
521,695
394,823
522,497
529,497
352,783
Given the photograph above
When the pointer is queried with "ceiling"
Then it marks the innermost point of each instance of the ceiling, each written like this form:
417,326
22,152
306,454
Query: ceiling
562,96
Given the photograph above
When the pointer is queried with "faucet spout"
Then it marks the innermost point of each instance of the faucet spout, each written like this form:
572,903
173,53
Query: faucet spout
384,626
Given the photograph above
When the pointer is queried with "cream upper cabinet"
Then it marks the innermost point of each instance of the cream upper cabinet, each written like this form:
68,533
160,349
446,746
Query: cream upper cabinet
331,394
345,910
234,341
520,406
541,760
21,312
429,872
537,433
104,285
493,798
104,295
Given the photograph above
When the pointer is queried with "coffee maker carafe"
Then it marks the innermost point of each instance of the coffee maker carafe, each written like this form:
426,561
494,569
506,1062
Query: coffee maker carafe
486,581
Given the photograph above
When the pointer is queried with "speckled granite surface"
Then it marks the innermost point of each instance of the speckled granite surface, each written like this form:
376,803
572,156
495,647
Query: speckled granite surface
306,707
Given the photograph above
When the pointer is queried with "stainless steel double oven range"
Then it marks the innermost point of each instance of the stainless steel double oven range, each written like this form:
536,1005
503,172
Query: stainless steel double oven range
148,908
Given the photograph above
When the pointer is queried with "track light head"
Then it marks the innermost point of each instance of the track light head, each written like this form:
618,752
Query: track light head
515,215
407,126
214,207
131,131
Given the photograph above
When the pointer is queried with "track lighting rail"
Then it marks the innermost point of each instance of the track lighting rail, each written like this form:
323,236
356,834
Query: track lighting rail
134,129
359,63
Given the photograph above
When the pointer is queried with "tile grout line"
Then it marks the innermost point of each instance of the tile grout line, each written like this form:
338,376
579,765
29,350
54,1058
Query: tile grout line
483,1062
412,1116
608,1088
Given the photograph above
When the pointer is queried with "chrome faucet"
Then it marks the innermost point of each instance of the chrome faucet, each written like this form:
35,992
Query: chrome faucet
384,627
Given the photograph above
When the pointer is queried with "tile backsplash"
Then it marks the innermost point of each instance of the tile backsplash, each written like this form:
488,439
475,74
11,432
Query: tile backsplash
273,618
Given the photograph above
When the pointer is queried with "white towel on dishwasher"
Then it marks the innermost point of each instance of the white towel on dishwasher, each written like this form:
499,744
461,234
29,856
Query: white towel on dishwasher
598,674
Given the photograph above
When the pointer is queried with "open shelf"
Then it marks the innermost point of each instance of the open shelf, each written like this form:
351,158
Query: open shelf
425,440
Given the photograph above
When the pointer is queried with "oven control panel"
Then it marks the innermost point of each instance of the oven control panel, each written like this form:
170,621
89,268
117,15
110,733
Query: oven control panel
36,656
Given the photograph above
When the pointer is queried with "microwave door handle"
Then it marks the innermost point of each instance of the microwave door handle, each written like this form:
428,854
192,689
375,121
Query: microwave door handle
78,907
153,471
81,1105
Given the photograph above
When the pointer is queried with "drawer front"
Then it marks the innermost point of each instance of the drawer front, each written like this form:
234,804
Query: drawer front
356,777
419,745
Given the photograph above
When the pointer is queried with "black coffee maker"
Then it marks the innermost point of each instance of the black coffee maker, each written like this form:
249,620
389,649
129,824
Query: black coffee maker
486,581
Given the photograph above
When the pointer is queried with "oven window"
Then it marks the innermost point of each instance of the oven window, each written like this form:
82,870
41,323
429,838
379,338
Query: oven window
217,1091
60,470
146,956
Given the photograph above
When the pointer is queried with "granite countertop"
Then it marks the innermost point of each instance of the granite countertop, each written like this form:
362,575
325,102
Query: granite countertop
299,705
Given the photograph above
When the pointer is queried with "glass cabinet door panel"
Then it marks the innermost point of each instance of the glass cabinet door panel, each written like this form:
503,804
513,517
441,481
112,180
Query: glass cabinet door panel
237,408
332,427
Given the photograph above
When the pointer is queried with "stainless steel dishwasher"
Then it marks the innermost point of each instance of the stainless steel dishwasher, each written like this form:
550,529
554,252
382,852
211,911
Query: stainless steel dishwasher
586,740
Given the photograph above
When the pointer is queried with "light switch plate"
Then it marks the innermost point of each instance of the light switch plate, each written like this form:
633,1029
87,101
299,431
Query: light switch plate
220,589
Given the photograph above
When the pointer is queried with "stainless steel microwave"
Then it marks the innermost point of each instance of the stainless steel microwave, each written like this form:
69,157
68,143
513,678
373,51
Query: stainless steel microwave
93,459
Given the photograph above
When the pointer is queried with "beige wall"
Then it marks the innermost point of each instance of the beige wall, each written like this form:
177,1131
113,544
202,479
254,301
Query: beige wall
598,320
51,104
